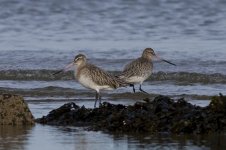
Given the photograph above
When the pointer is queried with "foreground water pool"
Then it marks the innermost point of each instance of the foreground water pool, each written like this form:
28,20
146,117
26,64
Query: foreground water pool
58,138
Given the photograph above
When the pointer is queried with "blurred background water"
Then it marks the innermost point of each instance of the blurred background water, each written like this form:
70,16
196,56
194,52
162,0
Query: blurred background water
40,37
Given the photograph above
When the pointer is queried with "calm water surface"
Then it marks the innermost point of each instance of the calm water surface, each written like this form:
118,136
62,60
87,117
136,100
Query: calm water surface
40,37
47,137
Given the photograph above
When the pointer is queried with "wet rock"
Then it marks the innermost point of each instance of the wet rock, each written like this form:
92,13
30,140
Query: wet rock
14,111
218,103
162,114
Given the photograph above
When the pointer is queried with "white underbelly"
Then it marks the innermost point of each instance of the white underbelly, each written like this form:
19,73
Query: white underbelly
88,83
136,79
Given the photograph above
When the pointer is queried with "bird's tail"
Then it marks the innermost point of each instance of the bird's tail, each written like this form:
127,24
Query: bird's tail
121,82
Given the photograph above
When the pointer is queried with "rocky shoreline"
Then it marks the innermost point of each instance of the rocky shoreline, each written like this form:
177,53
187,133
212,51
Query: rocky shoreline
161,114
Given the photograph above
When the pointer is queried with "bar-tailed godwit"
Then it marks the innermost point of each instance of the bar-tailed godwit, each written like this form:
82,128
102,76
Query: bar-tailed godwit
92,77
137,71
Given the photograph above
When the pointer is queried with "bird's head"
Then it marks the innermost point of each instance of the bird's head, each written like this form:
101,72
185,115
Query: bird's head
149,54
79,59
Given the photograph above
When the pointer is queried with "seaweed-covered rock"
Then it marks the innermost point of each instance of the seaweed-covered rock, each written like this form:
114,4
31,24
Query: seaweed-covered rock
159,115
14,111
218,103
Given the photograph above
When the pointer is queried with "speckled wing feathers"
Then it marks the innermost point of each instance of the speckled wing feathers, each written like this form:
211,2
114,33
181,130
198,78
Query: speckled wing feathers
102,77
138,67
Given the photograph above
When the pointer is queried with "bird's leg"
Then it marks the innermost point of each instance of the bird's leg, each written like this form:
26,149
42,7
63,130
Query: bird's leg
99,100
97,97
142,90
133,88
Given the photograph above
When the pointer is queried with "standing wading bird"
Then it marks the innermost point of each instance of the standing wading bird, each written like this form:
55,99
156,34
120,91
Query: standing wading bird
140,69
93,77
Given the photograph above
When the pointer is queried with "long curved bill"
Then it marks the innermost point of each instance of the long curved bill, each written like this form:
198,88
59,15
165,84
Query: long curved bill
165,60
66,68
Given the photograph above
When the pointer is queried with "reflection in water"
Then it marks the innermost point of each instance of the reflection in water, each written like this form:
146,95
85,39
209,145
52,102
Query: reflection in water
14,137
168,141
50,137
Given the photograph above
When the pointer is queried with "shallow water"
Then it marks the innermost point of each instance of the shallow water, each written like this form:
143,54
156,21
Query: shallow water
40,37
59,138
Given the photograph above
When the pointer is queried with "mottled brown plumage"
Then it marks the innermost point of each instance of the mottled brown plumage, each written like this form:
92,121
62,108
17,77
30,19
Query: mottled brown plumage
99,76
137,71
92,77
138,67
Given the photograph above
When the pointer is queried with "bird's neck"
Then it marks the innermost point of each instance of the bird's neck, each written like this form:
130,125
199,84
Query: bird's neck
78,69
146,57
81,65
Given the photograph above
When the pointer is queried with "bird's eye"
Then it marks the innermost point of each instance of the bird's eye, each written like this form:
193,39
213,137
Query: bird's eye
153,53
75,59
